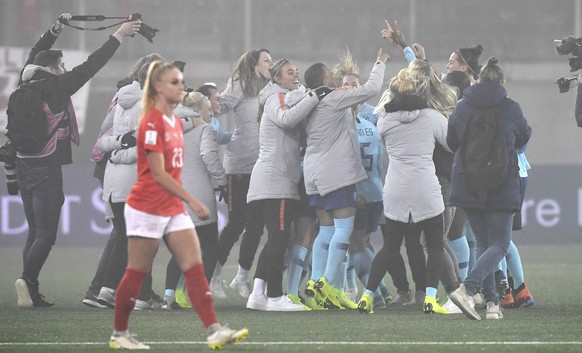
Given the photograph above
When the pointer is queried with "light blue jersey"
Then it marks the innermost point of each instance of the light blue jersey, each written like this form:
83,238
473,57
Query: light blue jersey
366,111
371,149
222,137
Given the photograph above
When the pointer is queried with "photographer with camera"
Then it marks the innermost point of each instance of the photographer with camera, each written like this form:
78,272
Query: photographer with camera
39,175
578,111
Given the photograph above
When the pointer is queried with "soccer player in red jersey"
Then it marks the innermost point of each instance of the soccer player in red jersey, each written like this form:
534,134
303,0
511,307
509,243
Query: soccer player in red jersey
155,210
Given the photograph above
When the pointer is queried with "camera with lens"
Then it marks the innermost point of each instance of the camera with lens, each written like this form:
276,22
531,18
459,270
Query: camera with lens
569,45
148,32
8,157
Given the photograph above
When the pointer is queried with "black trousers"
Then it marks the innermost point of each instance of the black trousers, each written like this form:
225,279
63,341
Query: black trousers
208,237
118,258
389,258
278,215
241,216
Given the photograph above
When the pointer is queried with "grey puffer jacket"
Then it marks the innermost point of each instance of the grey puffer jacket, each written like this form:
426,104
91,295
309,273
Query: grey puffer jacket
277,172
121,169
202,169
332,158
412,191
243,149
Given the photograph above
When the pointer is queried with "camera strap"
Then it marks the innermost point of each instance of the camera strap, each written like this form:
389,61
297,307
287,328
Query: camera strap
94,18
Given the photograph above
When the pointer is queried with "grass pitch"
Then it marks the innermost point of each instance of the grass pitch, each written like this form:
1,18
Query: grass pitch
554,324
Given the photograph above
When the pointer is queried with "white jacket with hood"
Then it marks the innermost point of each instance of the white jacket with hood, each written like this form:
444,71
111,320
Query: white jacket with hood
277,172
243,149
412,192
202,169
121,170
332,158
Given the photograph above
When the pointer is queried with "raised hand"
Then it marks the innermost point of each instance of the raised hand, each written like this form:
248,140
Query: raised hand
383,57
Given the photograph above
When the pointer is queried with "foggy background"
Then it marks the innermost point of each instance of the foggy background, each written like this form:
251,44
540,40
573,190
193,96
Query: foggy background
209,35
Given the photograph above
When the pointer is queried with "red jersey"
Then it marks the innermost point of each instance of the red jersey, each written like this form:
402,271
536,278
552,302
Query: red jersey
158,133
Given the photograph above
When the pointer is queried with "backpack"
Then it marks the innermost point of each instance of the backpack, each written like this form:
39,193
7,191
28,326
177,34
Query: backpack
485,162
27,123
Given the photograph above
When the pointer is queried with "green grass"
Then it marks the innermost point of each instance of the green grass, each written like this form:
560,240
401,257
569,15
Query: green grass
555,322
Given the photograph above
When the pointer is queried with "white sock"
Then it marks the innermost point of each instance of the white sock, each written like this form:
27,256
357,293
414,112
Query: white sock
242,275
217,275
258,287
120,333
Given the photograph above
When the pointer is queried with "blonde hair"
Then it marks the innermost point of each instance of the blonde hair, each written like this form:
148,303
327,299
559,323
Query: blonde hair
346,66
438,96
155,72
193,100
399,85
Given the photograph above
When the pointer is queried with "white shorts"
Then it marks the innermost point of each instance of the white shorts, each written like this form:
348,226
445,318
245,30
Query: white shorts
147,225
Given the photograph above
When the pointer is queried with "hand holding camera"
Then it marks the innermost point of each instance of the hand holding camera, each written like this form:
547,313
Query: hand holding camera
129,27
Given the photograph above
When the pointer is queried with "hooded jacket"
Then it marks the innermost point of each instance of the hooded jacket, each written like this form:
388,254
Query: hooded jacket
56,91
410,131
517,134
332,157
202,170
243,149
121,169
277,172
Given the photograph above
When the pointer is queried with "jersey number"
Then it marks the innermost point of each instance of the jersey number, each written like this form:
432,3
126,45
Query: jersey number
366,157
177,158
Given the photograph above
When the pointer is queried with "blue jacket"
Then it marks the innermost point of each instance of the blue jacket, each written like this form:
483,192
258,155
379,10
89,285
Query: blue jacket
517,132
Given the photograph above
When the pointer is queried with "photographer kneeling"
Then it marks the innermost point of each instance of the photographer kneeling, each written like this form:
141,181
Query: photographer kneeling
39,175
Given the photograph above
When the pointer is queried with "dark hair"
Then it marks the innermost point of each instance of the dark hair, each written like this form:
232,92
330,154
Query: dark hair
47,58
205,89
458,80
491,72
314,75
470,56
144,60
244,72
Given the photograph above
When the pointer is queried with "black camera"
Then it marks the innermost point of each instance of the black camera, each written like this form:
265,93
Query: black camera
569,45
148,32
564,83
8,157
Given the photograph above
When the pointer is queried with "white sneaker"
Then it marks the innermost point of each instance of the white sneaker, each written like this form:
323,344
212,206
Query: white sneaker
257,303
352,293
226,335
242,288
217,289
480,301
142,305
127,341
283,303
493,311
24,299
451,307
106,297
465,302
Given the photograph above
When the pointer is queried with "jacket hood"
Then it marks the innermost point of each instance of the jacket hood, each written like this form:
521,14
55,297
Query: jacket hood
270,89
405,109
129,95
31,70
185,113
484,94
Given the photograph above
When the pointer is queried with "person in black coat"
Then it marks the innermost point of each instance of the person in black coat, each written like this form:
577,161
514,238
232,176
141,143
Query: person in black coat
39,175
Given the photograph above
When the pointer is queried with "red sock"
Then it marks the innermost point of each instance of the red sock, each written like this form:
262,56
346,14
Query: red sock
199,294
127,292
